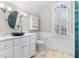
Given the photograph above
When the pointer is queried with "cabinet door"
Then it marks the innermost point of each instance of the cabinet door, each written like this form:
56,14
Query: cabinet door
33,44
19,41
27,40
33,38
36,20
19,51
33,48
33,22
8,53
27,51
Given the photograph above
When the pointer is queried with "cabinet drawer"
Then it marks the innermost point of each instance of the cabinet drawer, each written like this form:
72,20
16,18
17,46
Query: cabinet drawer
20,41
33,44
8,53
33,38
6,44
28,40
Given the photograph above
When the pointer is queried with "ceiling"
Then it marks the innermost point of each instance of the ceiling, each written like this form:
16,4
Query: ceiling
34,7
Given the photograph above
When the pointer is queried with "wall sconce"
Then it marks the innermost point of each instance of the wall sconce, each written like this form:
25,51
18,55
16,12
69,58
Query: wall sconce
23,14
5,8
9,9
2,7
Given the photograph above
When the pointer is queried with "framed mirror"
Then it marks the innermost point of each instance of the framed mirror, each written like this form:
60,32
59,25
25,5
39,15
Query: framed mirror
59,19
12,17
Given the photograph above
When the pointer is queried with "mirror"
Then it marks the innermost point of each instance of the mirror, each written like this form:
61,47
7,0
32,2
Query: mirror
60,19
60,22
12,19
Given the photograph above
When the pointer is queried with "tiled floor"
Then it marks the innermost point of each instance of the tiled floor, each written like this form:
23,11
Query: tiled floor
48,53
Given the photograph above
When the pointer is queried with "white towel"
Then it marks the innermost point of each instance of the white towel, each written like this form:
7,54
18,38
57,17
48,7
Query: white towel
17,23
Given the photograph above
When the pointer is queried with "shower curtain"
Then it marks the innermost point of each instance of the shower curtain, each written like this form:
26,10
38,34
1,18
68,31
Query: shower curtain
76,29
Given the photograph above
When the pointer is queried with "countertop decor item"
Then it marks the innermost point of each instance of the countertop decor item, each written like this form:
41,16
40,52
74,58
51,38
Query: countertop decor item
12,19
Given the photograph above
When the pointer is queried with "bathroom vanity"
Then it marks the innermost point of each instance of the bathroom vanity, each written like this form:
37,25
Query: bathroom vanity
18,46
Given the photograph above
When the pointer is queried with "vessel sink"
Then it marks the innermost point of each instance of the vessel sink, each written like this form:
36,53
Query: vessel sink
18,33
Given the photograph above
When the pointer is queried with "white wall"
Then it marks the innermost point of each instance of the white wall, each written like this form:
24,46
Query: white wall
25,23
4,28
45,19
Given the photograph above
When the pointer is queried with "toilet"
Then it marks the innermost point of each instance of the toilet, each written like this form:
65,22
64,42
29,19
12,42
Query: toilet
40,45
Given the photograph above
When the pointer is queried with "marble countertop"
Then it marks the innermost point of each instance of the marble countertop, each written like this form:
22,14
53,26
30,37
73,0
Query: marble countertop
8,37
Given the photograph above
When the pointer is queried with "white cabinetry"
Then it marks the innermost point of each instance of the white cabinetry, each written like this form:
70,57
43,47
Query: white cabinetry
22,47
33,45
33,22
28,51
25,47
19,41
19,51
19,47
6,49
6,44
33,49
8,53
22,51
